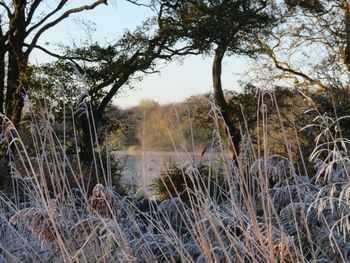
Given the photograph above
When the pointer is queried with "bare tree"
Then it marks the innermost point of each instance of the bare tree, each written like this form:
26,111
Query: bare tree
310,47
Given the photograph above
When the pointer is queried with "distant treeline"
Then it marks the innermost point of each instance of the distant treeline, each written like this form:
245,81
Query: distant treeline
282,113
155,127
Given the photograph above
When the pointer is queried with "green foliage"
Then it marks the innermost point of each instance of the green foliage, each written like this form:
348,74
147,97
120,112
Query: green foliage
180,181
171,183
116,168
313,6
231,23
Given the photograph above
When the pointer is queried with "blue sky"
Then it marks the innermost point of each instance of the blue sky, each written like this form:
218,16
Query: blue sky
175,82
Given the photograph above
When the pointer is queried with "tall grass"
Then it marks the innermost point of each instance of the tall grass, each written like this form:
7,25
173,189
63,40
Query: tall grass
268,210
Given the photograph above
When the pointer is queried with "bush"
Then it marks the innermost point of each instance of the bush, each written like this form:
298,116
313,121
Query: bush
186,182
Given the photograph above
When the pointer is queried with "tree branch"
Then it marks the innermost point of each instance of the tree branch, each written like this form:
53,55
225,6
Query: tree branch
123,78
60,18
279,65
58,8
32,9
55,55
136,2
8,10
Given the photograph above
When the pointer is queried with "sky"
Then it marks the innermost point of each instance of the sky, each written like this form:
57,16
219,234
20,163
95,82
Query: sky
175,82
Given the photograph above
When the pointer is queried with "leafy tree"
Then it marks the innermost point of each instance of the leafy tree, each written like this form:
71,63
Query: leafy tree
104,70
222,28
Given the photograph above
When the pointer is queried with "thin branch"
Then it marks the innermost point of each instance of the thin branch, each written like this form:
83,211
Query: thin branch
180,52
8,10
59,19
136,2
55,55
297,73
32,9
286,68
58,8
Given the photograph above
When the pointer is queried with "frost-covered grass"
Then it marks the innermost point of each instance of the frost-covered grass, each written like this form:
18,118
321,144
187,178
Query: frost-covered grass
264,212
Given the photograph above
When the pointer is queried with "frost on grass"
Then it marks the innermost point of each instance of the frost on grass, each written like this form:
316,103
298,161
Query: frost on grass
280,216
304,222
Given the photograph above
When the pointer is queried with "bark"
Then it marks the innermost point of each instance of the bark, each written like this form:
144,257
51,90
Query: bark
17,63
232,132
17,87
346,9
12,81
18,102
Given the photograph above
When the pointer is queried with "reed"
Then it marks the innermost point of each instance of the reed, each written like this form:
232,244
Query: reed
263,209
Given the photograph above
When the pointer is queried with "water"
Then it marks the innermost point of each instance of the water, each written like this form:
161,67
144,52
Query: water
141,168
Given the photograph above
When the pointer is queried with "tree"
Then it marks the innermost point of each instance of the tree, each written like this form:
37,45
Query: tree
223,28
105,69
20,30
310,47
310,50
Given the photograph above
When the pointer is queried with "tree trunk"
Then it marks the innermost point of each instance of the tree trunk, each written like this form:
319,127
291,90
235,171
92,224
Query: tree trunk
17,64
346,8
20,92
12,80
16,87
232,132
